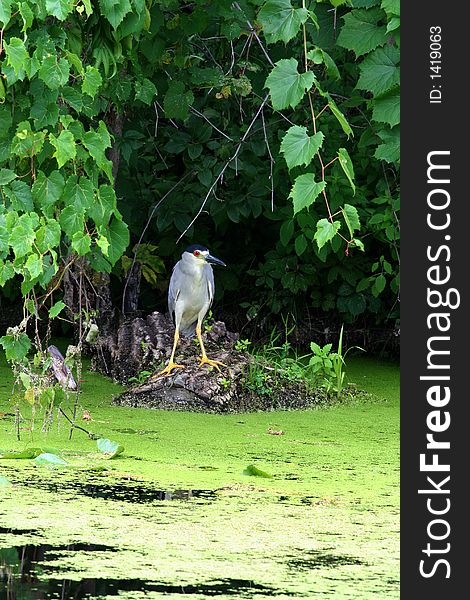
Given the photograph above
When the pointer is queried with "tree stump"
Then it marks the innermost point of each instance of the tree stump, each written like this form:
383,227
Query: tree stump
141,344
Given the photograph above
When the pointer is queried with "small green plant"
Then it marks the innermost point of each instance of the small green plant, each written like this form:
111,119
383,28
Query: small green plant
328,367
141,377
225,382
209,321
242,345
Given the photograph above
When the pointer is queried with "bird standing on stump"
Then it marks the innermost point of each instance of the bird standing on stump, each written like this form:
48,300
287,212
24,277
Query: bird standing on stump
190,296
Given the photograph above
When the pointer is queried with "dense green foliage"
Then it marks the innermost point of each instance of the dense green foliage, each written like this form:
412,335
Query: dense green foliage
266,130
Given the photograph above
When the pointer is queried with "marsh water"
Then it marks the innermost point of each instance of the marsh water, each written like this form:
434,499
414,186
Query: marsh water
177,514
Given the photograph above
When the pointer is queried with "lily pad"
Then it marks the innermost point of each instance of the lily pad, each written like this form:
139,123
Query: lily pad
255,472
27,453
109,448
46,458
4,481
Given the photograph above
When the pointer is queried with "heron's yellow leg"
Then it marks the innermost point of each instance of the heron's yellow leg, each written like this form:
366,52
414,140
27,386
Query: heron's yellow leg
204,360
171,365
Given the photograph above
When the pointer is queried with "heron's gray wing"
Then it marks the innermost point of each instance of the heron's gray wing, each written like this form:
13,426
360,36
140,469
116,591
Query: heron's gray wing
209,275
174,288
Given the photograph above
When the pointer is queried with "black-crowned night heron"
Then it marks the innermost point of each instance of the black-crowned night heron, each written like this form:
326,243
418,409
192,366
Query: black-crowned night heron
190,296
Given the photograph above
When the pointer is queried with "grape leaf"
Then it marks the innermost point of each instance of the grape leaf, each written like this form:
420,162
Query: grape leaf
54,72
145,91
91,81
298,147
379,70
115,11
326,231
286,85
16,54
351,217
64,147
386,109
118,237
177,102
347,166
55,310
47,189
361,32
305,191
280,20
59,8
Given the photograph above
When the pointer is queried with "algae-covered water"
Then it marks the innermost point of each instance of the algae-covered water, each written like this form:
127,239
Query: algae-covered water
174,516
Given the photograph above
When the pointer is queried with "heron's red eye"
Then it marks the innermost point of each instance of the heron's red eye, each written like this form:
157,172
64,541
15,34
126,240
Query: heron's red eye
196,253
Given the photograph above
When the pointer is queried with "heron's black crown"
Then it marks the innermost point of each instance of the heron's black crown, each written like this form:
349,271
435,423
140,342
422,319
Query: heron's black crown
193,247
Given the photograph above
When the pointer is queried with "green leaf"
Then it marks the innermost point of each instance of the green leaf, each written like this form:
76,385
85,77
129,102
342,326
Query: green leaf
47,189
5,12
356,243
386,109
46,458
27,143
96,142
391,7
6,176
298,147
361,32
20,196
379,70
55,310
103,244
177,102
301,244
54,72
75,61
389,149
21,240
286,232
255,472
318,56
81,243
4,237
281,21
16,347
16,54
59,8
351,217
145,91
118,237
115,10
347,166
109,448
326,231
34,265
6,272
92,81
305,191
286,85
79,192
71,220
23,454
26,14
339,115
104,206
379,285
64,147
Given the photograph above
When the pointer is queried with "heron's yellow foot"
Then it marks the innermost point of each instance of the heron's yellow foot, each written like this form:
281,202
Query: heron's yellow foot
213,363
171,366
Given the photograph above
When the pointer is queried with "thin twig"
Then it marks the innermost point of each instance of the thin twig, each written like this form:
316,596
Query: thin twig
224,168
137,246
200,114
271,160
